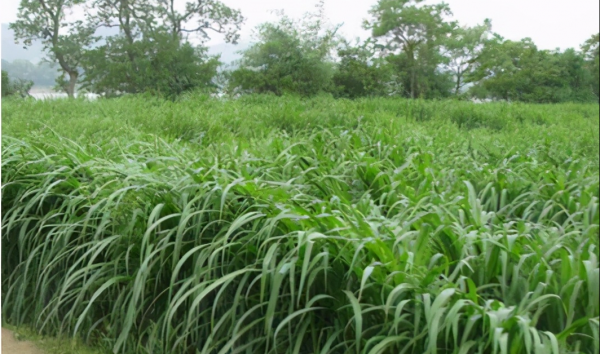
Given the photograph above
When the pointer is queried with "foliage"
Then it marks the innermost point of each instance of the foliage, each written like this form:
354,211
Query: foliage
146,29
591,51
161,65
64,39
290,56
287,225
175,18
152,52
413,32
360,74
518,71
5,84
462,48
12,87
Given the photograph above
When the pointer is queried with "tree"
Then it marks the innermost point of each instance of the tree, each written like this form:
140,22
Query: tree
518,71
289,57
462,48
161,66
152,45
415,30
64,40
359,73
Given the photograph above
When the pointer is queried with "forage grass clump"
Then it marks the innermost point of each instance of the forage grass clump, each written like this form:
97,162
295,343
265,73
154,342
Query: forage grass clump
280,225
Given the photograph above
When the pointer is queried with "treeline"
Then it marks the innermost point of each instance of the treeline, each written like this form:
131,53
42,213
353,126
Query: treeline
415,50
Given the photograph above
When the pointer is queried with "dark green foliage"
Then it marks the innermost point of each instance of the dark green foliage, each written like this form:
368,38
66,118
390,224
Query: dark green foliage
518,71
473,117
6,90
360,74
161,65
289,57
413,32
591,51
17,87
280,64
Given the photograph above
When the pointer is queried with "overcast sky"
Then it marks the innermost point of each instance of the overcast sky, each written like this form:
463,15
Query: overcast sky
550,23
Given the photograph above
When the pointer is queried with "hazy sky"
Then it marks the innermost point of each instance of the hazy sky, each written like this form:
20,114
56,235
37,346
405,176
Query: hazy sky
551,23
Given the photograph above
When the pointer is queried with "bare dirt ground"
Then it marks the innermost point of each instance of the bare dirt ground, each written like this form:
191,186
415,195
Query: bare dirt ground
11,346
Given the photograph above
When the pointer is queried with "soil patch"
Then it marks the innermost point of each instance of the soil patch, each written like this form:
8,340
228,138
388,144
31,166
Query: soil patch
12,346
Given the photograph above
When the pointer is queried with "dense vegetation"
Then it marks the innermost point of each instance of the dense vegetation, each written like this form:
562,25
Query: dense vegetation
15,87
323,207
278,225
416,50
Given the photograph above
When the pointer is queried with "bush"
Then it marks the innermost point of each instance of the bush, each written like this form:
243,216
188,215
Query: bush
18,87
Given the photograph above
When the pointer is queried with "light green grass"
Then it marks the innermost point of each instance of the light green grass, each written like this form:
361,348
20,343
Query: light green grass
279,225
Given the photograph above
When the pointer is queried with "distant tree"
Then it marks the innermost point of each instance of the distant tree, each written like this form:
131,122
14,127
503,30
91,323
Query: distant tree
151,53
462,48
161,66
579,84
518,71
360,73
414,32
64,39
289,57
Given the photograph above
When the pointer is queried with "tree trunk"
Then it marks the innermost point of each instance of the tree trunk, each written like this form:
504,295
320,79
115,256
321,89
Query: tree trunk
413,72
458,82
73,76
413,82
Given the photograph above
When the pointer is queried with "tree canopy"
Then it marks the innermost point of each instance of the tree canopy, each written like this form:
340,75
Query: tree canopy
290,56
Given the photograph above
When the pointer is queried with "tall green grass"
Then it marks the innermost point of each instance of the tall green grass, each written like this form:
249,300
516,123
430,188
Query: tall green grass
279,225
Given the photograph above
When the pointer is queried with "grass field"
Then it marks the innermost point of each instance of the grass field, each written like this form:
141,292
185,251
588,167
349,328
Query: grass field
280,225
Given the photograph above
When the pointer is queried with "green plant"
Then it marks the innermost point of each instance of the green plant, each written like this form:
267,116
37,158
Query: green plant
216,226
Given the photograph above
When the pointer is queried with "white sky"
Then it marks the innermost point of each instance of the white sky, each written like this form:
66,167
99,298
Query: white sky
550,23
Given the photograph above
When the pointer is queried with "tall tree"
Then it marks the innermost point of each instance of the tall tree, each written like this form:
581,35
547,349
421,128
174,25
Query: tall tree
144,17
462,48
416,30
290,56
64,38
132,61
